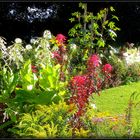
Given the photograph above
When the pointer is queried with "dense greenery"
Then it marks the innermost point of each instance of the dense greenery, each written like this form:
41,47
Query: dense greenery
48,87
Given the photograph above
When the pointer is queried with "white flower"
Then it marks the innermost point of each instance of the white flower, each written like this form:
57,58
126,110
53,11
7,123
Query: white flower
32,41
125,54
73,46
111,52
18,40
101,55
29,87
28,47
16,113
94,106
47,34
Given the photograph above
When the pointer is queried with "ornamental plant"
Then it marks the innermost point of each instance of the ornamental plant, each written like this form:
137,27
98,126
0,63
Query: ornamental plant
45,122
82,86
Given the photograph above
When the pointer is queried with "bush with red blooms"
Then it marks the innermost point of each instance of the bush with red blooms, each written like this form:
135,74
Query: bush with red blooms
82,86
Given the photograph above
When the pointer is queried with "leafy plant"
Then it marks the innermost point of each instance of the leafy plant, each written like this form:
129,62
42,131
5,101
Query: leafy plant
92,32
45,122
119,69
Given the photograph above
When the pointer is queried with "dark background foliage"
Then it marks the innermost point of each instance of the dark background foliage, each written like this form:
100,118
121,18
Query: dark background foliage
17,21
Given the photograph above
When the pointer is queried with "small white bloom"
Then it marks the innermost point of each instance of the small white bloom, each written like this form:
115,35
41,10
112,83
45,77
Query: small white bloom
125,54
28,47
16,113
111,52
101,55
73,46
18,40
32,41
47,34
94,106
29,87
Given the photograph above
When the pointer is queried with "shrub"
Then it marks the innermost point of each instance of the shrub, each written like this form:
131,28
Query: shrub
119,69
133,73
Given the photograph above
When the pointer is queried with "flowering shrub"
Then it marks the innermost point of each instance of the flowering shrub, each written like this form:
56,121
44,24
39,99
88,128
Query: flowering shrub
34,78
82,86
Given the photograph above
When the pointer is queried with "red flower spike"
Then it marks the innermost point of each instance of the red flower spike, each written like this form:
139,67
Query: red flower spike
107,68
61,39
93,62
34,69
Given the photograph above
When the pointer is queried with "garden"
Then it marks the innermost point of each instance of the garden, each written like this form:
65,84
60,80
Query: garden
76,86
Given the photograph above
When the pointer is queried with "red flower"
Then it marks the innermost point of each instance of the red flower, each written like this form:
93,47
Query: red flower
34,69
107,68
78,80
60,38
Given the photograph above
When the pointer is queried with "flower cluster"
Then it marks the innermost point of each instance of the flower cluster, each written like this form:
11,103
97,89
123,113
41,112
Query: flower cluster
93,62
60,54
61,39
131,56
107,68
84,85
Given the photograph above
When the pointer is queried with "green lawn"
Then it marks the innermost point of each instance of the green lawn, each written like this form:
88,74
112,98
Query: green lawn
115,100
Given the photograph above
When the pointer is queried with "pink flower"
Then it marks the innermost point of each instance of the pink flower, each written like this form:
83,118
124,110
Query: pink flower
57,56
107,68
93,61
60,38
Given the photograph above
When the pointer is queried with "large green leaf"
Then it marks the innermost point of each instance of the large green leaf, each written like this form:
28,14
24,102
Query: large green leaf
27,77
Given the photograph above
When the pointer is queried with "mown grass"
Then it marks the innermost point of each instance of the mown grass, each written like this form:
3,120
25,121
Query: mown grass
115,100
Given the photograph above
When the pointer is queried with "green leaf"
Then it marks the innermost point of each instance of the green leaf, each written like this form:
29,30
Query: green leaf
115,17
112,9
101,43
111,25
44,98
72,19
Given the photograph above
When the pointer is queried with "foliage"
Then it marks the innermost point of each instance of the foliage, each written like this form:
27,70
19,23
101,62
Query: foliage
47,87
133,73
119,69
92,32
45,122
82,86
